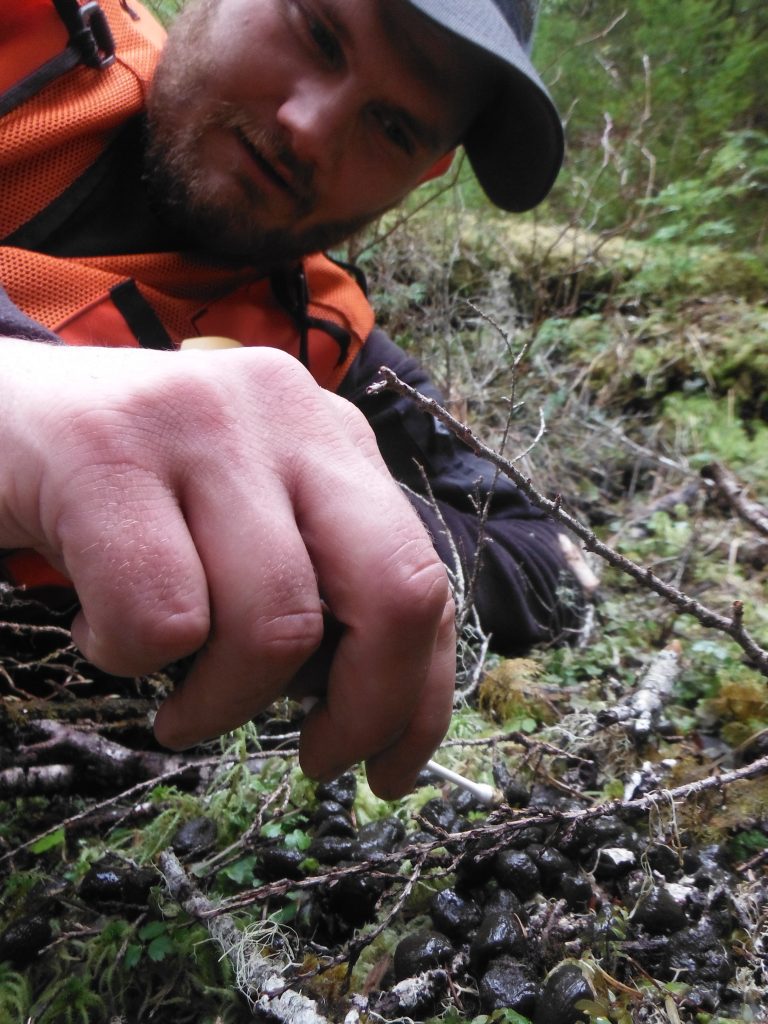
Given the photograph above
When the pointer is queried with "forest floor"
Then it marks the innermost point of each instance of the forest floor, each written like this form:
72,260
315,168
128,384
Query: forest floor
621,874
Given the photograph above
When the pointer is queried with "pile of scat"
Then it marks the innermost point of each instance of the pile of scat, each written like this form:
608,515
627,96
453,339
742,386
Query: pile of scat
615,919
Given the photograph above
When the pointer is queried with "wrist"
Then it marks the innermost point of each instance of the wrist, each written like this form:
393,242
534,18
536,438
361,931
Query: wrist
26,402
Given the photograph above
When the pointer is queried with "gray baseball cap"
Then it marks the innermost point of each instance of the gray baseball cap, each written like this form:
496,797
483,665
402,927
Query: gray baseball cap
515,145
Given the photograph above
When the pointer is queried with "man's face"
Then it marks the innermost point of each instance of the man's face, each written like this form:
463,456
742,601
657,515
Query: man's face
279,127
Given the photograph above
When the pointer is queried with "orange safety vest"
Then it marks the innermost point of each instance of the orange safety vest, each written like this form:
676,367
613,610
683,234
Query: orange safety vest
51,137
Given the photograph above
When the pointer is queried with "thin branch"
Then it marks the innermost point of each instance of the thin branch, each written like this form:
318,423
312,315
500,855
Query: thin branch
259,969
192,765
95,808
431,855
732,626
752,512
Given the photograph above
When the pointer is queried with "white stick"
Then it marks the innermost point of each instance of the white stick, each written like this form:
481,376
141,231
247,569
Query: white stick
480,790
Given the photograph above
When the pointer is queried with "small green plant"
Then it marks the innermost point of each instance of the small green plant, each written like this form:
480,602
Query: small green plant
71,1000
15,994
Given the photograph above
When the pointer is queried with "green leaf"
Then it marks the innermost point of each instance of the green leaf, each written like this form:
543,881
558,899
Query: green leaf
241,872
507,1016
132,955
48,842
152,930
286,914
298,840
271,830
160,947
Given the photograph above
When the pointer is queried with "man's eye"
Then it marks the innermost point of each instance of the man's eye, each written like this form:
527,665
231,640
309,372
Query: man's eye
394,130
325,40
314,31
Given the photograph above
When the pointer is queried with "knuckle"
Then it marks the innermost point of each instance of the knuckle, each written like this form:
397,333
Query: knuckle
148,643
418,587
352,419
288,636
164,637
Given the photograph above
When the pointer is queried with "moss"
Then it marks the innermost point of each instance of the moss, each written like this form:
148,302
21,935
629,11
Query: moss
512,694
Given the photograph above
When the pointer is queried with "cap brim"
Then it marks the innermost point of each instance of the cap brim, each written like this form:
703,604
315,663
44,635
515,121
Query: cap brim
516,144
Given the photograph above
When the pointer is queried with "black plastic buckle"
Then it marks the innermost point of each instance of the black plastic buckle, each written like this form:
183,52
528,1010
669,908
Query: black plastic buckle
93,36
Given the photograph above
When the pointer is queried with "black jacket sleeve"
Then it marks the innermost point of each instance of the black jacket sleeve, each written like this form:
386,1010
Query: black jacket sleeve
525,593
15,324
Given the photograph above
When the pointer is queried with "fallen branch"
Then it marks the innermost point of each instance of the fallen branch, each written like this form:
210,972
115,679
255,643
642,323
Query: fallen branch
752,512
733,626
503,826
47,778
95,809
640,712
260,977
104,759
192,766
521,740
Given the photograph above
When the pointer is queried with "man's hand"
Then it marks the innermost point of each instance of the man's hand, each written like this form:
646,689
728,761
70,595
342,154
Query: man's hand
206,502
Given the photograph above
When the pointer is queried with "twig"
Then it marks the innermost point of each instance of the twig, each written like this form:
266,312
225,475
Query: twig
191,766
752,512
520,739
280,795
352,953
95,808
640,712
109,759
753,862
733,626
500,830
373,868
47,778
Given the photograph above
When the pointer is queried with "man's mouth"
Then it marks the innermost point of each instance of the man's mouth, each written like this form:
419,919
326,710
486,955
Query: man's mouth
267,165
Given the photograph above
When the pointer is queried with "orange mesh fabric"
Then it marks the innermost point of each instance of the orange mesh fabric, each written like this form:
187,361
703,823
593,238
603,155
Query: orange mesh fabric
49,141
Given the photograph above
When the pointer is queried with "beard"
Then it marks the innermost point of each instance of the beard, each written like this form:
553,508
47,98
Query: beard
228,222
233,220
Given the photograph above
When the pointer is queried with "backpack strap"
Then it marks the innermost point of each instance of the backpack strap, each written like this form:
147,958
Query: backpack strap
90,43
89,31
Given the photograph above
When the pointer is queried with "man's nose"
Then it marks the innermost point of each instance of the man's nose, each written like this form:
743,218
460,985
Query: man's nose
319,119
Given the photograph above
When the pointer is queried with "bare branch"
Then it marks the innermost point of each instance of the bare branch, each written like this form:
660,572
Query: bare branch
732,626
504,824
752,512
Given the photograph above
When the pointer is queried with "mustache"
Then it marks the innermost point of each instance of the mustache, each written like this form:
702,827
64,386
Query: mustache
271,146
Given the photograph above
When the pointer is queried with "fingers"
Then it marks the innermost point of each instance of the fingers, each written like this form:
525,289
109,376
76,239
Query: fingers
392,773
205,503
392,714
141,584
267,621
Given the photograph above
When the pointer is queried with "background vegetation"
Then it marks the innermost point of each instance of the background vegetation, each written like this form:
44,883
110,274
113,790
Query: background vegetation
667,114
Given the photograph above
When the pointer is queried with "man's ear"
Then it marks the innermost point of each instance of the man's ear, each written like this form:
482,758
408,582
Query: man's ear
438,168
